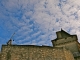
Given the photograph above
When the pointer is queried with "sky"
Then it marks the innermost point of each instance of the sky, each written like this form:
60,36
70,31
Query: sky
35,22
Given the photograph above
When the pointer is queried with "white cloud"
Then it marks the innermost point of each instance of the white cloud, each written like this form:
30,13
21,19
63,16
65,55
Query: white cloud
36,21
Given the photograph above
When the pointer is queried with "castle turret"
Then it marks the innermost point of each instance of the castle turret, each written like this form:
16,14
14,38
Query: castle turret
66,40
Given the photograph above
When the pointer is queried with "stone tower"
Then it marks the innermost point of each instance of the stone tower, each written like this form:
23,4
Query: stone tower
67,41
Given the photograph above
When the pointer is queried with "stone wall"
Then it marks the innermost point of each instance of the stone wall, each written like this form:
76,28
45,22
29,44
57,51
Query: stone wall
69,43
30,52
62,34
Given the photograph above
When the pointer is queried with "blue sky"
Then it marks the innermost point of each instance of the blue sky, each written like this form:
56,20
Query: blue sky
35,22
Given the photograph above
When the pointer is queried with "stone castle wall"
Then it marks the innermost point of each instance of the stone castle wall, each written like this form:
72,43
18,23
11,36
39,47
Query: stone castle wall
65,47
30,52
69,43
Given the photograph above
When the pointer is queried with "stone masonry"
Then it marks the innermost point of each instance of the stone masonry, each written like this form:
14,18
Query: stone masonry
65,47
31,52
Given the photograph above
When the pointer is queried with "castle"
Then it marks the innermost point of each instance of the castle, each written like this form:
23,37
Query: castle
65,47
